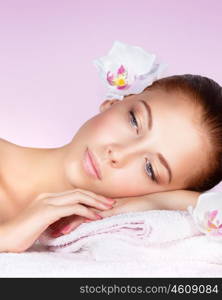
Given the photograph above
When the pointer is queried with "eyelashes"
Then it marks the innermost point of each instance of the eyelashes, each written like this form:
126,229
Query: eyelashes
133,118
149,169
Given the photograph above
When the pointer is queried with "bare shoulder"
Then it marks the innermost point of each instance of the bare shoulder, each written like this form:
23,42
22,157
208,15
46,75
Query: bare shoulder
3,141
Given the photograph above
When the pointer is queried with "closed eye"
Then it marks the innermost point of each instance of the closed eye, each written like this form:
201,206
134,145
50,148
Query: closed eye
150,171
133,120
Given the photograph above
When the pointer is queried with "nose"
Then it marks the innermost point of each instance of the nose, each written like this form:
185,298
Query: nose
119,155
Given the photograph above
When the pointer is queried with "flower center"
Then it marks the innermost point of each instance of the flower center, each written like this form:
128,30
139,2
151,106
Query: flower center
120,79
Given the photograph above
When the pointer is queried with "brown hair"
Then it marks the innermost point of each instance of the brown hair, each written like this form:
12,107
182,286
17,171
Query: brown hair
207,94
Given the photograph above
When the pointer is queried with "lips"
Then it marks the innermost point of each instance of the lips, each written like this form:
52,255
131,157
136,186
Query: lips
94,163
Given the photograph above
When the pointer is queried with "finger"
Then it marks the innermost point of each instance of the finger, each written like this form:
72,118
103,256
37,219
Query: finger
109,213
95,203
105,213
70,220
56,224
77,209
86,192
119,209
44,195
71,223
62,222
78,197
102,198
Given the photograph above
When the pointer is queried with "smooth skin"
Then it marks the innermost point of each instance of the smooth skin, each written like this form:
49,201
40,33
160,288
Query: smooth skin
170,200
122,146
20,232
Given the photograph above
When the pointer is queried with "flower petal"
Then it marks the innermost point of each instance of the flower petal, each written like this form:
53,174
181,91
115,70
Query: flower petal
212,214
121,70
208,207
134,64
211,225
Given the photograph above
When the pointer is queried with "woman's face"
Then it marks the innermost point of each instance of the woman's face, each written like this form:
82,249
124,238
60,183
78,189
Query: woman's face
146,143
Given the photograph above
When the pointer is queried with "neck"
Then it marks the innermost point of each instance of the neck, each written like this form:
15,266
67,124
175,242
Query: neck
26,172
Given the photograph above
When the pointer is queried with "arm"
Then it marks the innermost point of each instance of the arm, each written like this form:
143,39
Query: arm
173,200
169,200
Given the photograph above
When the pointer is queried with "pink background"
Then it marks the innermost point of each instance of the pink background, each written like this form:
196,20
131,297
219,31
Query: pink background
48,84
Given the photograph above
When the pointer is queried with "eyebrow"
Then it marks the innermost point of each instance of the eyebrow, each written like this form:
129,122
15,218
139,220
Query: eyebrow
160,156
166,165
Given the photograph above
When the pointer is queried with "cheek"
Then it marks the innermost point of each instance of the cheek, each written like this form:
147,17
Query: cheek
106,127
119,186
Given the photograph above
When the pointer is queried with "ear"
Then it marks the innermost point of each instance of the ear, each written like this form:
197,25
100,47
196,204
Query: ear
107,104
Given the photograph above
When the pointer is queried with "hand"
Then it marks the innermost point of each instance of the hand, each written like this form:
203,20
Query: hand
19,233
167,200
121,205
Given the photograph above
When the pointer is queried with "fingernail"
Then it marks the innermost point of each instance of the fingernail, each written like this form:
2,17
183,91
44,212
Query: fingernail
65,229
108,205
110,199
56,234
98,217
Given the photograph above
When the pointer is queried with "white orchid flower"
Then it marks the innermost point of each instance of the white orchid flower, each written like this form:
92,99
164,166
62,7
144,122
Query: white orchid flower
127,70
207,214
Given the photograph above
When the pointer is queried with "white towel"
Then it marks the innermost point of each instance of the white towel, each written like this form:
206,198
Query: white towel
135,228
144,244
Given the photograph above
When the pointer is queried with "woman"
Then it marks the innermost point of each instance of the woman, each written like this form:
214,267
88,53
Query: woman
156,150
